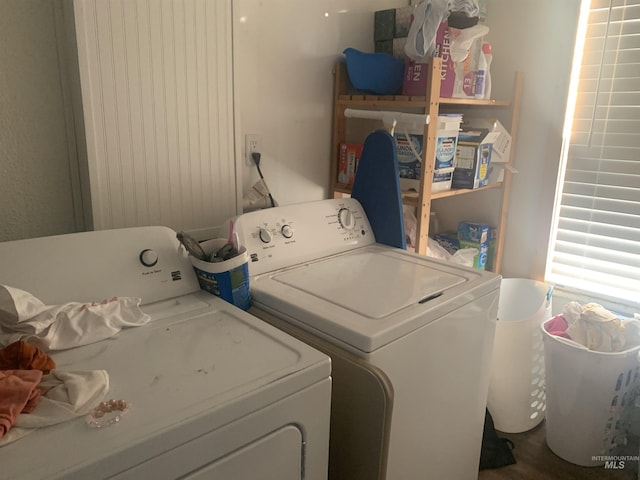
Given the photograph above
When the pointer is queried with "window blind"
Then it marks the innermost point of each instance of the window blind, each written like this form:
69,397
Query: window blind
595,244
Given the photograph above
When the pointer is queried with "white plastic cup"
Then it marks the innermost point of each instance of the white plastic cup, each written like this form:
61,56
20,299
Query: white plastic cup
228,279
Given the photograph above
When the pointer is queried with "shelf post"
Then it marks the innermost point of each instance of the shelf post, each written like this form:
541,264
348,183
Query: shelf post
432,107
339,123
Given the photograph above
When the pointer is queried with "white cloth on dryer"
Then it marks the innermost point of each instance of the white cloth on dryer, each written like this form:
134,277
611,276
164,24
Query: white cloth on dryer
25,317
65,395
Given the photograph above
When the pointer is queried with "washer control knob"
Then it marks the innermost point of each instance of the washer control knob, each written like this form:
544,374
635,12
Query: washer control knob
148,257
265,235
346,219
287,231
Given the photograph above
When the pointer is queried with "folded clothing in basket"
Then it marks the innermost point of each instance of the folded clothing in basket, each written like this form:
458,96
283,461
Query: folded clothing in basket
594,327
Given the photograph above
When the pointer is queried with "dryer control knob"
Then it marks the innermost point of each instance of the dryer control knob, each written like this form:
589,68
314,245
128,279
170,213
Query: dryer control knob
148,257
346,219
287,231
265,235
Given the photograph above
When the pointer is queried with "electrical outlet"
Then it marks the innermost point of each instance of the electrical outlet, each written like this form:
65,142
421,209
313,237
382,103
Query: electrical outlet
251,144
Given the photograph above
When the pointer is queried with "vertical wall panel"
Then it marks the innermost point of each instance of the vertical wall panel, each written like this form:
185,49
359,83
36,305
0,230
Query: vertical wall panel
158,109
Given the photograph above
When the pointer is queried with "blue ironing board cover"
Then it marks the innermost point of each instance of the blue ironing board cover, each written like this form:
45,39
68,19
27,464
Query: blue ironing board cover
377,187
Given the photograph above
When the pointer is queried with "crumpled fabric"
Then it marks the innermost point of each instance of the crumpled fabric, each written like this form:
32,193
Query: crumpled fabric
21,355
557,326
65,395
25,317
595,327
18,393
427,17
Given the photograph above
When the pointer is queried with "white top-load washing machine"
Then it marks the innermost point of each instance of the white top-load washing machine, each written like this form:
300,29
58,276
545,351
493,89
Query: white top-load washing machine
214,392
410,338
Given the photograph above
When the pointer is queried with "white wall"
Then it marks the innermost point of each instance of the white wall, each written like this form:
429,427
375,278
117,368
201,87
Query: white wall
36,176
542,47
284,52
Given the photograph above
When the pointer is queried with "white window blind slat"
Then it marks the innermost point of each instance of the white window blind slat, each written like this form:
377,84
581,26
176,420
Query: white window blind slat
595,244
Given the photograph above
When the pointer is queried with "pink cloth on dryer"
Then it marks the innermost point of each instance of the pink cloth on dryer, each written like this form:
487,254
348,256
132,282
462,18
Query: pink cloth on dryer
18,394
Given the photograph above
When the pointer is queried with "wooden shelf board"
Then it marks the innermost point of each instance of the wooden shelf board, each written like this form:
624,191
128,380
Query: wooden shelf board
462,191
408,101
411,197
477,103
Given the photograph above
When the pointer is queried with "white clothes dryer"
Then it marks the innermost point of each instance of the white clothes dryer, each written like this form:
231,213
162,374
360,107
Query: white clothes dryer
410,338
214,392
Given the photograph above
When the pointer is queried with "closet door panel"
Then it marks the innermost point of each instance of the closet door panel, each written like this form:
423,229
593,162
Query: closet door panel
157,99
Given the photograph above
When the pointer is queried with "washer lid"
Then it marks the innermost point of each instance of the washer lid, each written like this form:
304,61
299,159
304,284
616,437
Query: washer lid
184,376
370,284
371,295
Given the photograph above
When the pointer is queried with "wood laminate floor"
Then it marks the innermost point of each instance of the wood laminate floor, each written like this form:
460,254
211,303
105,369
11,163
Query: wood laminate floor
535,461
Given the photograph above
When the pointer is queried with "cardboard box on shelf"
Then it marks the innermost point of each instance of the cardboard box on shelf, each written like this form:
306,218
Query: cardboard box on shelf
498,136
475,235
348,162
393,46
473,158
474,232
480,260
392,23
457,80
415,73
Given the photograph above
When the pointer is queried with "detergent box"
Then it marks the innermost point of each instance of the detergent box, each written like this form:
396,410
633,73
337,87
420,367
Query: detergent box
348,162
498,136
473,158
409,150
475,235
447,140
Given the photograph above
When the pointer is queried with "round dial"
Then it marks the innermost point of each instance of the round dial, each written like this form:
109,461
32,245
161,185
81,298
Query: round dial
346,219
287,231
148,257
265,235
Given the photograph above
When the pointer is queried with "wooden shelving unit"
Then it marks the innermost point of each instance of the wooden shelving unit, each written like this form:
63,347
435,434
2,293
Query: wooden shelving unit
345,96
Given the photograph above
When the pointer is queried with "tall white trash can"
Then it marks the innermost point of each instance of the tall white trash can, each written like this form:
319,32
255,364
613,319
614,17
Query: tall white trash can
590,399
516,391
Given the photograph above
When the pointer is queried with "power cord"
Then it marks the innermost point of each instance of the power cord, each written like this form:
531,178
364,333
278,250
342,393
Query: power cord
256,158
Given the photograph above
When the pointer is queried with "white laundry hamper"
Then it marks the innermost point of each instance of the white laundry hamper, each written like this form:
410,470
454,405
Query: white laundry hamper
516,397
590,399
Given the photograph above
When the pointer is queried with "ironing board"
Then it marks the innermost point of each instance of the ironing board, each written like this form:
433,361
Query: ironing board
377,187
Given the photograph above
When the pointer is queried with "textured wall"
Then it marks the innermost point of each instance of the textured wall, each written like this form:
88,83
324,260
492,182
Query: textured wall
35,183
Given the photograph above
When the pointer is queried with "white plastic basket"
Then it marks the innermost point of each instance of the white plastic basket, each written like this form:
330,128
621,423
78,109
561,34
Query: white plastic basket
590,398
516,397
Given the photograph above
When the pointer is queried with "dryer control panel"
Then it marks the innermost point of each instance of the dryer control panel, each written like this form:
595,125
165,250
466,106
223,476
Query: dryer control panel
284,236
